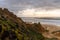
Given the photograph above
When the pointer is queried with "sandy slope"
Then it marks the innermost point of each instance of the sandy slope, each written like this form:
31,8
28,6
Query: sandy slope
51,29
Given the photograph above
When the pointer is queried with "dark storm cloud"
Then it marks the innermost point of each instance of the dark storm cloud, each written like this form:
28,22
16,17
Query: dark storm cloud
16,5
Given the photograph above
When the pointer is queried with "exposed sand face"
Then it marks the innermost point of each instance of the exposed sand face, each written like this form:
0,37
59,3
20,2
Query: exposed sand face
51,28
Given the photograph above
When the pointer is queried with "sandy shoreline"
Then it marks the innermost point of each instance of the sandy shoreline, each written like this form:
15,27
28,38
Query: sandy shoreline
51,28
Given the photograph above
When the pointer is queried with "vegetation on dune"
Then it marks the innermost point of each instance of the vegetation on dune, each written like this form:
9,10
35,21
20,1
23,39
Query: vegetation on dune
13,28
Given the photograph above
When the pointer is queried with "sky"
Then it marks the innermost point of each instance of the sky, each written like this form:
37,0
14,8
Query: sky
33,8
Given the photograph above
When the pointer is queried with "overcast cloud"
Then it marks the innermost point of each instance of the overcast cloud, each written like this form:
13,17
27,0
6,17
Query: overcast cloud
20,5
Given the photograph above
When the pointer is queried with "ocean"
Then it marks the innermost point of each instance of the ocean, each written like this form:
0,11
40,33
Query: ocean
42,21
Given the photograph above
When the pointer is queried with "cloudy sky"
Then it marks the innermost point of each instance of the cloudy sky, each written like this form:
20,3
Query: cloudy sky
33,8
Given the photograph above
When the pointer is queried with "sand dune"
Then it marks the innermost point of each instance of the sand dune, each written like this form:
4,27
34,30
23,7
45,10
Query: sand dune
51,28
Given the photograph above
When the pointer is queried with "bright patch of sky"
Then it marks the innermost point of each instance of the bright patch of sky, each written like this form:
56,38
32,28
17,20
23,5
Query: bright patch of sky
39,13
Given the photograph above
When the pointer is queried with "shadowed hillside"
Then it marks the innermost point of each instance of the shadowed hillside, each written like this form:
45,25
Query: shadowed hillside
13,28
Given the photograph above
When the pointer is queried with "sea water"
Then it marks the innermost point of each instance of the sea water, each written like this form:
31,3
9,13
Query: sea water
42,21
